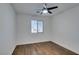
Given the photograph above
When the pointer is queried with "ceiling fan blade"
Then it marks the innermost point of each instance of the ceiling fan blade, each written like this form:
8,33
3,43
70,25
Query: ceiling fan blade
49,12
37,11
52,8
45,5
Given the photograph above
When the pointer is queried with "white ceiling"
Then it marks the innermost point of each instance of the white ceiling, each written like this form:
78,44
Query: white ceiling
31,8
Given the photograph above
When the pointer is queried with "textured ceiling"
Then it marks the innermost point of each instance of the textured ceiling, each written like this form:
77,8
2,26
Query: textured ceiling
31,8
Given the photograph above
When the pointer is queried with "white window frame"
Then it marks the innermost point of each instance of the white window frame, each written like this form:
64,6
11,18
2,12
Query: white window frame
40,22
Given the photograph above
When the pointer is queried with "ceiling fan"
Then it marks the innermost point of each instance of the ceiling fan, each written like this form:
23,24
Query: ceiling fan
46,10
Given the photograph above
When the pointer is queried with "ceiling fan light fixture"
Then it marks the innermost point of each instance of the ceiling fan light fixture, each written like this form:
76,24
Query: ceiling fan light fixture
45,11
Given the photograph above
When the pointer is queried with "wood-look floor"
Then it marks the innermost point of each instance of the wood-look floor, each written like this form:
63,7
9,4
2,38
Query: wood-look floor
43,48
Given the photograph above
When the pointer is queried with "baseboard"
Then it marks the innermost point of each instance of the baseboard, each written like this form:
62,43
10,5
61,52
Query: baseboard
13,49
31,42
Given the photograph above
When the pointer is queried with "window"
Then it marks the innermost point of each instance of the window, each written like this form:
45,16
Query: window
40,26
36,26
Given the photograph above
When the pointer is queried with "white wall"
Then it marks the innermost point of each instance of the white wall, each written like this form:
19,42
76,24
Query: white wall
65,29
24,35
62,29
7,29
